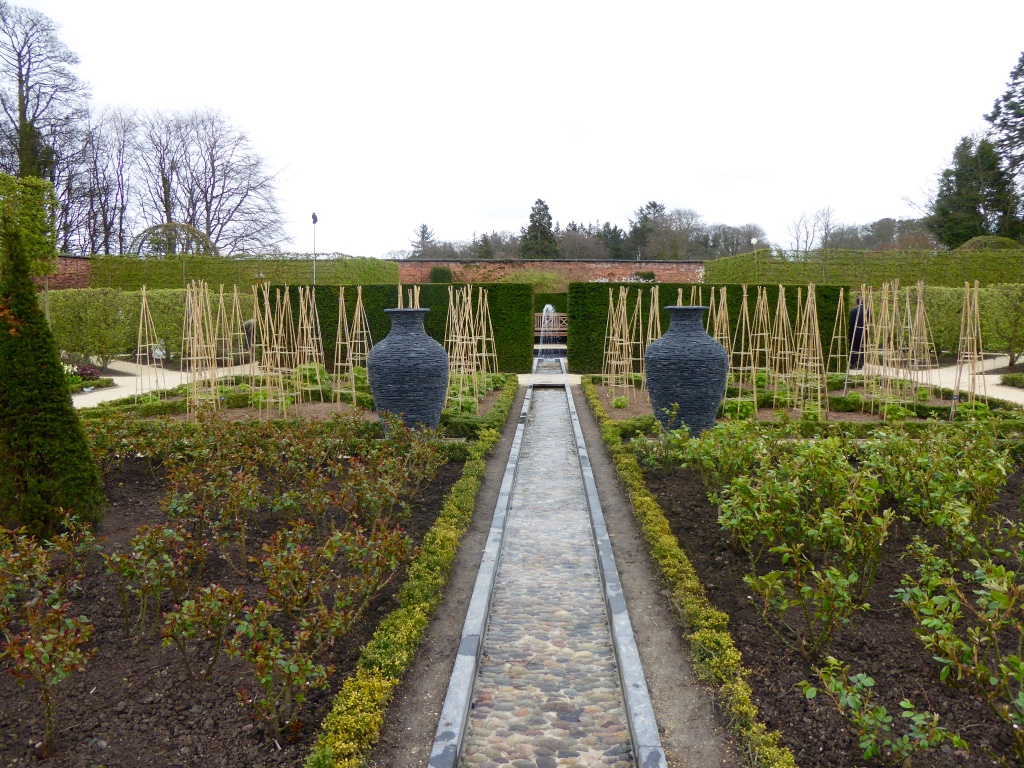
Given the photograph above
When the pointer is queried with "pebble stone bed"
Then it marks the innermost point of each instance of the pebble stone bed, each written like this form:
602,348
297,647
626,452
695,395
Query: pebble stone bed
547,692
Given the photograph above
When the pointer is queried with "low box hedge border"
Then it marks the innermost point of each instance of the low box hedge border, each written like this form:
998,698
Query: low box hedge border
716,659
101,383
353,725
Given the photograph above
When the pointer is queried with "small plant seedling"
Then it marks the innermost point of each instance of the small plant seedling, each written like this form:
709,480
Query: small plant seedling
853,697
620,402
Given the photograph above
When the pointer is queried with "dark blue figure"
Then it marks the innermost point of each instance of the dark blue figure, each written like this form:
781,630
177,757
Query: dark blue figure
857,319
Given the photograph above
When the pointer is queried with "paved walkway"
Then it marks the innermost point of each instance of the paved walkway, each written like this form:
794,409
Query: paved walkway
548,688
131,379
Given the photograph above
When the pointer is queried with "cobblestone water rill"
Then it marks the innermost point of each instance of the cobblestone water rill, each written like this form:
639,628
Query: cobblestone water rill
547,692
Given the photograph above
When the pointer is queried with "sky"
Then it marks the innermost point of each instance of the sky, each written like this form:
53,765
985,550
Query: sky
381,116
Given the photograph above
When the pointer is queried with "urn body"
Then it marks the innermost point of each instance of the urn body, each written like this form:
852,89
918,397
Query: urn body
688,368
408,371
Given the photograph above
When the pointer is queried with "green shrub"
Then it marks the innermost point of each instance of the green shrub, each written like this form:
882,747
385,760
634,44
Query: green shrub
47,465
620,402
848,403
991,243
1012,380
894,412
441,275
736,409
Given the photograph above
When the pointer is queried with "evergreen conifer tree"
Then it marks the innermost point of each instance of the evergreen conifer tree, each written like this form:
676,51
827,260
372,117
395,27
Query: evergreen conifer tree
538,240
45,462
1007,119
976,196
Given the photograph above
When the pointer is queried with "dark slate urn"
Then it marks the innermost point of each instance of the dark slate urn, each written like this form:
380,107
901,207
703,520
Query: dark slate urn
408,371
686,367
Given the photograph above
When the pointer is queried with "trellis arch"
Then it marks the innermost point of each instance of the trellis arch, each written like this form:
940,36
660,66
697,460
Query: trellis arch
172,239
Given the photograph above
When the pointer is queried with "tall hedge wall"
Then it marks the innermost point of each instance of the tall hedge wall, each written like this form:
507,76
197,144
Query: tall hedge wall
511,307
852,268
104,322
1001,308
588,313
560,301
131,273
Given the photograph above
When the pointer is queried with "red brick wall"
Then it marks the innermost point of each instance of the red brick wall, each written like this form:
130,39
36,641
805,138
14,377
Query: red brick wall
71,273
573,271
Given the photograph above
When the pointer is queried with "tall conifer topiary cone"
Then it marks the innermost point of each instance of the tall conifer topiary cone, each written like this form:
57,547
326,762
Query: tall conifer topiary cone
45,463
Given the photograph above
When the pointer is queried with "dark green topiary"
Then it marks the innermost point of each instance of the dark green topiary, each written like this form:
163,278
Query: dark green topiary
440,275
45,459
991,243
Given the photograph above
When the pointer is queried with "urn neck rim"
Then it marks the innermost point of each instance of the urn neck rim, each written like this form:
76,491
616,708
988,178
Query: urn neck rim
407,318
694,312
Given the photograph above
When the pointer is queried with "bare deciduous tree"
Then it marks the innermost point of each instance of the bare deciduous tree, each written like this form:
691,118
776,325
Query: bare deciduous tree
803,233
198,169
40,96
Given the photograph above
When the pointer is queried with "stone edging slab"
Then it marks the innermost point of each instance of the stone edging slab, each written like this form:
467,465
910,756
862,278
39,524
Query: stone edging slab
643,728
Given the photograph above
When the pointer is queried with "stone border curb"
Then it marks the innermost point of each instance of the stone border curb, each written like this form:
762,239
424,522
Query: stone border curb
451,728
647,749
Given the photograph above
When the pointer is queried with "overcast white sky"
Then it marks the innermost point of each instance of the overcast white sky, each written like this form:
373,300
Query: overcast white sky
383,115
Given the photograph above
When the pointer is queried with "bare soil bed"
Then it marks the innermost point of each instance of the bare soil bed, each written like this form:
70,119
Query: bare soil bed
880,642
135,705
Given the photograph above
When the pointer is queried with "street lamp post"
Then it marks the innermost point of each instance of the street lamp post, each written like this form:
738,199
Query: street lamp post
314,248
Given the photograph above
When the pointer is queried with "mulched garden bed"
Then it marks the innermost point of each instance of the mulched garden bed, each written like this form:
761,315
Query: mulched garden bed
135,705
880,642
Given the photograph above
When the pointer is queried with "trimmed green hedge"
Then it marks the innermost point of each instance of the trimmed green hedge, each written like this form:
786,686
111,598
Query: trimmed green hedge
131,273
560,301
1001,308
511,314
852,268
588,313
716,660
104,322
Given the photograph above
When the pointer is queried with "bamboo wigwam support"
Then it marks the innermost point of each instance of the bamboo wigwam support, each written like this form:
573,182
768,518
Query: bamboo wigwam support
624,343
278,353
149,354
310,373
744,370
970,376
781,355
462,347
344,378
810,396
839,346
199,350
487,352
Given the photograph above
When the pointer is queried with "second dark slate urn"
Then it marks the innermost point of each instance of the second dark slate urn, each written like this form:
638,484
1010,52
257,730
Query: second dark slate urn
686,367
408,371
